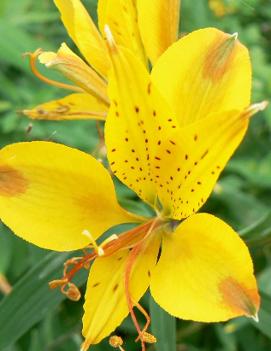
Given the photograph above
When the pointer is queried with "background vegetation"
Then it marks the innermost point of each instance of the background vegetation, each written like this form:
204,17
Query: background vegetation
33,318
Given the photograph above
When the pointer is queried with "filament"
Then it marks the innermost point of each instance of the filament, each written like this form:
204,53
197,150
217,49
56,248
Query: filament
32,61
131,260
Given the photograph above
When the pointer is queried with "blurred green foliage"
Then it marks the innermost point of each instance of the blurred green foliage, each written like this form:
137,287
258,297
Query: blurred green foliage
33,318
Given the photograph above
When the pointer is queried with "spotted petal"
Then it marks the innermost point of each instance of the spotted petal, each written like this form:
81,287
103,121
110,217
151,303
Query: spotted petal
205,272
137,122
191,160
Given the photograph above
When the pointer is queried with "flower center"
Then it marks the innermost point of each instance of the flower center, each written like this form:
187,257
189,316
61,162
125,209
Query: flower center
132,239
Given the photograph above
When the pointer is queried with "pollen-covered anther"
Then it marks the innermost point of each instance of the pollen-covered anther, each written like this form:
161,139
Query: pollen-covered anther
148,338
72,292
116,342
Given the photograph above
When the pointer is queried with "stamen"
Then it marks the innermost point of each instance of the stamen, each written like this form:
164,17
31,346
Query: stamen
33,58
142,335
149,338
72,292
148,318
116,342
72,261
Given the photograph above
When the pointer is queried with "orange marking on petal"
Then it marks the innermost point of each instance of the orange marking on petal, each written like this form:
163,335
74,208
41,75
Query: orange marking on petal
219,57
12,182
239,298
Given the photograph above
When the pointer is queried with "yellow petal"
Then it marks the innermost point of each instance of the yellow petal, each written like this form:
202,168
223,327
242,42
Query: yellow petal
159,25
205,272
137,122
205,72
50,193
74,106
192,158
121,17
84,33
76,70
106,305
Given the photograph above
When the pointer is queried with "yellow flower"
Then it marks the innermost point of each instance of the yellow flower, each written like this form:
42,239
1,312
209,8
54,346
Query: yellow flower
146,27
169,135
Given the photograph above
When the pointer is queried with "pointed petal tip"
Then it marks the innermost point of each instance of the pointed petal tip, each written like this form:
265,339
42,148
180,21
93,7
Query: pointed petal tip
255,108
259,106
255,317
234,36
262,105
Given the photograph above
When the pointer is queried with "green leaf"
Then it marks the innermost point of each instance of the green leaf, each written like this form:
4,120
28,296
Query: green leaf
14,43
258,235
5,249
163,327
31,298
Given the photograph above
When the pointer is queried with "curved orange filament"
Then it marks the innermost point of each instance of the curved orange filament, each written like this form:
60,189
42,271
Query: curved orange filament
32,61
130,263
127,239
134,239
145,314
131,260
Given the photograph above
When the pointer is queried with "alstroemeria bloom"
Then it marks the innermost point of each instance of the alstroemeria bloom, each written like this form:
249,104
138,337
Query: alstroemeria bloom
169,135
146,27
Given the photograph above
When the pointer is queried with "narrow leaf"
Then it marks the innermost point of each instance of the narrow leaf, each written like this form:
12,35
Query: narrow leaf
163,327
31,298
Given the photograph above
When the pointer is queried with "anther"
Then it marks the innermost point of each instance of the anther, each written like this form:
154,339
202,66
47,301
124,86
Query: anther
116,342
72,292
149,338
